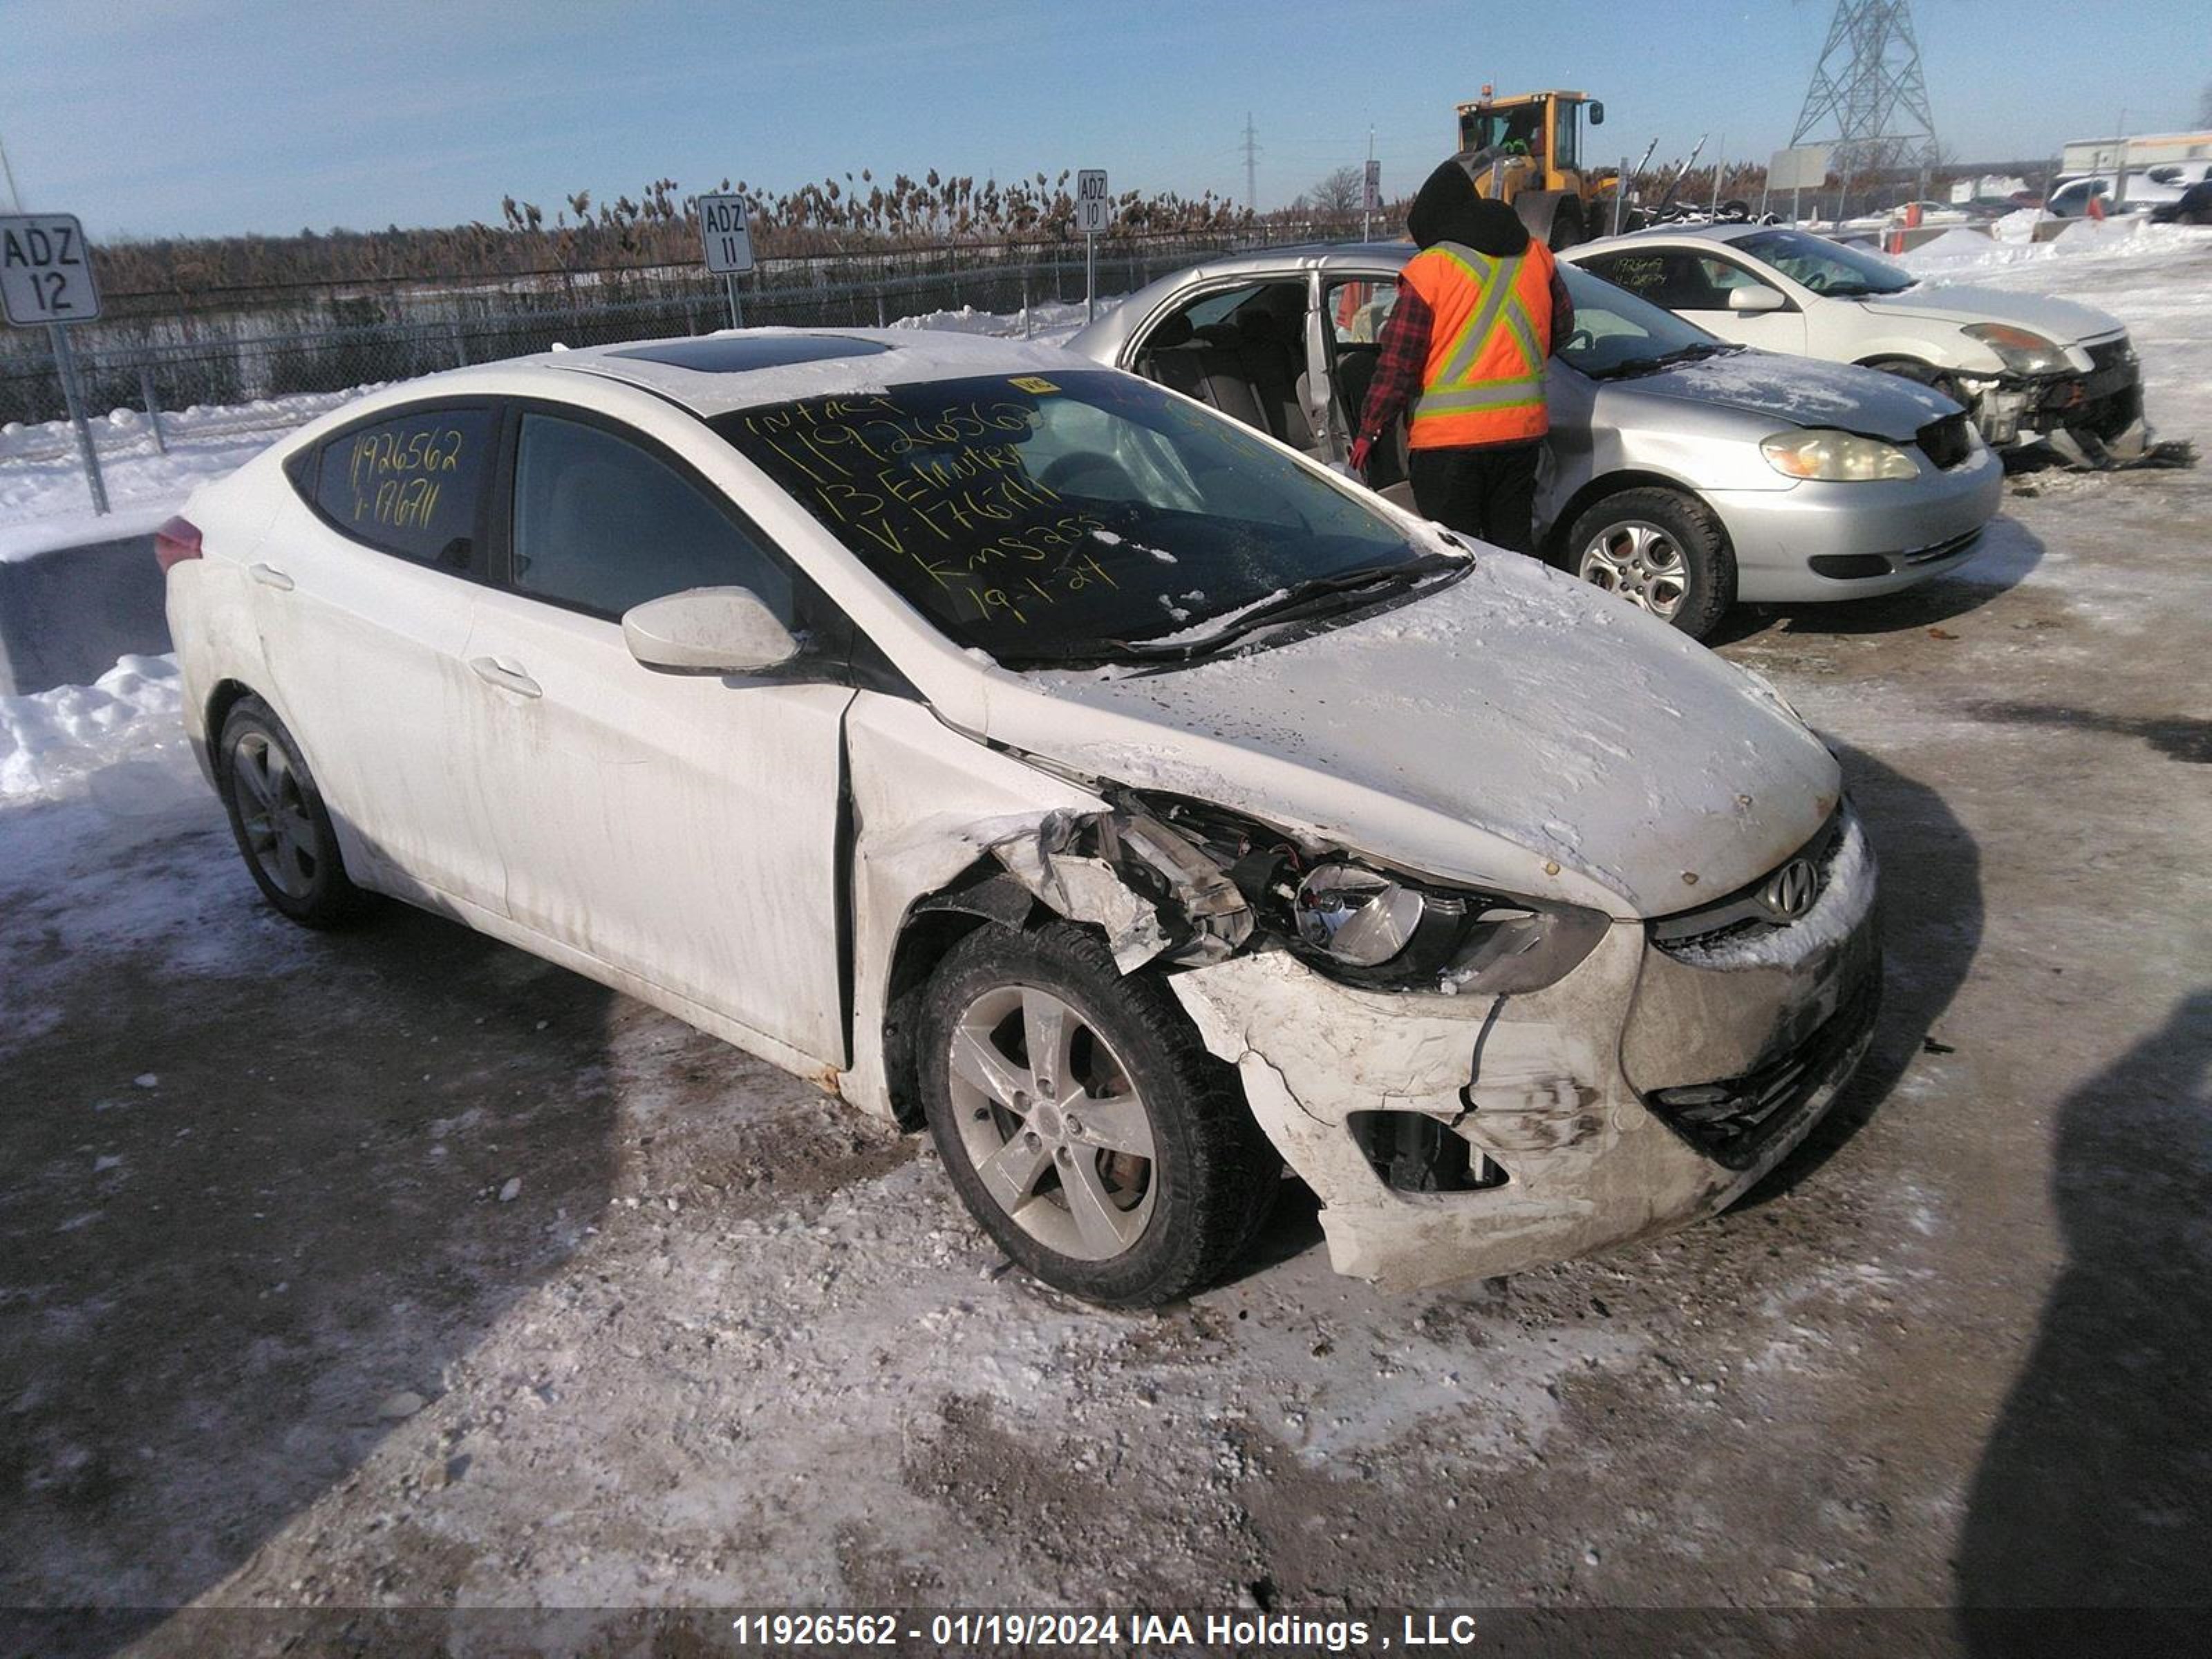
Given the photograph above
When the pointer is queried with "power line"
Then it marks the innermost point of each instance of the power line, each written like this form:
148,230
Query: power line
1868,95
9,171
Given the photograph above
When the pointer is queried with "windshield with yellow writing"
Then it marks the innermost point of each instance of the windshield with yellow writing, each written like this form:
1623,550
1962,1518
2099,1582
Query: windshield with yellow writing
1055,518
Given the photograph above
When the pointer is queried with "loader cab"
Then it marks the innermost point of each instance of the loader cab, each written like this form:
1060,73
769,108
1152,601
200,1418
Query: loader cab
1546,126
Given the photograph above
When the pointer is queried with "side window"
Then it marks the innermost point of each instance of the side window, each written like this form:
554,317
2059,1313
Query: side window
413,485
600,523
1667,278
1356,311
1641,274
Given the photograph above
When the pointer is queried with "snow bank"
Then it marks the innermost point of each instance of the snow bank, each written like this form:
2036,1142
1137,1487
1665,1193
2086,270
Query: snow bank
1956,253
51,741
1051,323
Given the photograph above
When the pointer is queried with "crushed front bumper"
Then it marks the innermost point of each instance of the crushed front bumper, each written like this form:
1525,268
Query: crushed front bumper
2105,401
1592,1113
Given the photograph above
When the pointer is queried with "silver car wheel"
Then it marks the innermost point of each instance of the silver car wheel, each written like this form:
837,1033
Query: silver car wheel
1640,562
1052,1123
274,815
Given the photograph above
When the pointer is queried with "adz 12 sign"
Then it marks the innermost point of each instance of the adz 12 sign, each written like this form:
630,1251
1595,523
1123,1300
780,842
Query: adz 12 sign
45,274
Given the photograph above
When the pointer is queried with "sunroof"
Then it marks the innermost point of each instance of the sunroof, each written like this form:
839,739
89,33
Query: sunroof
736,353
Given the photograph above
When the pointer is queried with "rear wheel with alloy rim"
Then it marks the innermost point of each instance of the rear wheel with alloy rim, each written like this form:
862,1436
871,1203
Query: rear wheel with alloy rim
1661,551
277,816
1082,1122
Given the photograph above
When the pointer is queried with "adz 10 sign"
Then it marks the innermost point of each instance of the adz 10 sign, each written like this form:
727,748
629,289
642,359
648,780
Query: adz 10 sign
45,274
1094,208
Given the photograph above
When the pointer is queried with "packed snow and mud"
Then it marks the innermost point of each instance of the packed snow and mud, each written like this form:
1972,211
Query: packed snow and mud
397,1268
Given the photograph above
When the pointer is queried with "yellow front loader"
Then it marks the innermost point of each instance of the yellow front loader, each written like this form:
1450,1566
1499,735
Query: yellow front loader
1526,149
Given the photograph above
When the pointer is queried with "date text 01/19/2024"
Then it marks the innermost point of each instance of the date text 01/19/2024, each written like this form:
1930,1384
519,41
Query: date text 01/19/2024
1416,1631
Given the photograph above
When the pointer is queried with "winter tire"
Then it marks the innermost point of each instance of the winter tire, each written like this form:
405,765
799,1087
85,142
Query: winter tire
1082,1122
1659,550
282,828
1566,227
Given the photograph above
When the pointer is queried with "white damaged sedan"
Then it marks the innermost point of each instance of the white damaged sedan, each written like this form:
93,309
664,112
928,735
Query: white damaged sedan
1014,743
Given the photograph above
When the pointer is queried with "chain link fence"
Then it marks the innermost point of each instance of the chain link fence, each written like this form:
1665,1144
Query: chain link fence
340,340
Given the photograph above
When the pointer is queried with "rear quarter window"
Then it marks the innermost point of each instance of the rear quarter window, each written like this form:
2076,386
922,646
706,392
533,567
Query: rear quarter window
412,486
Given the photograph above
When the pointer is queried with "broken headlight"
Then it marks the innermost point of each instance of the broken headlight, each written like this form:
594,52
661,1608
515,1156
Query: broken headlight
1380,929
2019,349
1371,928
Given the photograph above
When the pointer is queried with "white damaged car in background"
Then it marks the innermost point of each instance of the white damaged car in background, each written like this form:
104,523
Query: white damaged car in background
2025,365
1009,743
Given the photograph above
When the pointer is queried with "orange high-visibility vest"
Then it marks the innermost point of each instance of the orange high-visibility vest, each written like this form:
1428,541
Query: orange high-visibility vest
1489,334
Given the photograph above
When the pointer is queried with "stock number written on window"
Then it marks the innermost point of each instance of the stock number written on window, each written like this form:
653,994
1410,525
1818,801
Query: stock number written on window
396,473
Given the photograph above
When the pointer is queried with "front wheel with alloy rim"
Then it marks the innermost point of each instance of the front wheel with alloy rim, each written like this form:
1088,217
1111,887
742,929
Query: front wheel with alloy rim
282,828
1082,1122
1661,551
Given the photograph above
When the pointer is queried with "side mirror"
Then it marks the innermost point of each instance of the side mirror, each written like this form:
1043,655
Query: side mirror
1756,299
1597,114
707,630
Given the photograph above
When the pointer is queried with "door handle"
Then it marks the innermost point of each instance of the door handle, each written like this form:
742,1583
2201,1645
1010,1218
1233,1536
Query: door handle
270,576
507,679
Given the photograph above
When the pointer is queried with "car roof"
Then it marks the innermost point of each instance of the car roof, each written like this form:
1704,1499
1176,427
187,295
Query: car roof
1305,256
748,368
1650,233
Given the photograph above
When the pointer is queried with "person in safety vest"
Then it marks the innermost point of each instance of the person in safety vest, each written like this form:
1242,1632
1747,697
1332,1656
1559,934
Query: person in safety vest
1480,309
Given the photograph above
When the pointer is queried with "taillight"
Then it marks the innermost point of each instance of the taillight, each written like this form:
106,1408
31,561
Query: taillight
175,542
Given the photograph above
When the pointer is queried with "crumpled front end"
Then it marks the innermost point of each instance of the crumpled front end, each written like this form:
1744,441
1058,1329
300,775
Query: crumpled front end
1454,1136
2085,413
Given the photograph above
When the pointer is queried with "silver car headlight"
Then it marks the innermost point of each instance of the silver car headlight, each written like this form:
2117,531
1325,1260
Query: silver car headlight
1369,927
2021,350
1834,456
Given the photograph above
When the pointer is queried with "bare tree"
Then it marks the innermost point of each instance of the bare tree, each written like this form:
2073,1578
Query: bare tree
1340,191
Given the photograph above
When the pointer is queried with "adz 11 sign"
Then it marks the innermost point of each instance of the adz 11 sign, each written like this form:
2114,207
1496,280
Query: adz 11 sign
45,275
1094,208
727,235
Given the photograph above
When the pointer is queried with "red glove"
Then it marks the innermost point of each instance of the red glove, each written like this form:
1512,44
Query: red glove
1362,448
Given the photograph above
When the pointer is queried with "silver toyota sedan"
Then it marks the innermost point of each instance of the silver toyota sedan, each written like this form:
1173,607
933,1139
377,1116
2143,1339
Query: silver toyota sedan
1682,473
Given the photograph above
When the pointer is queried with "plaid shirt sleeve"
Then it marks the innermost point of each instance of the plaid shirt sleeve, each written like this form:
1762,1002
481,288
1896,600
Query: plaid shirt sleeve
1403,353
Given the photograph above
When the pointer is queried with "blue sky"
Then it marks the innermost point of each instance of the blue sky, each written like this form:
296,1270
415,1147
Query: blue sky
164,116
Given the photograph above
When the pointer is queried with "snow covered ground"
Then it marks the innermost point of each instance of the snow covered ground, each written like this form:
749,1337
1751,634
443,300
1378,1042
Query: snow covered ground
396,1268
45,502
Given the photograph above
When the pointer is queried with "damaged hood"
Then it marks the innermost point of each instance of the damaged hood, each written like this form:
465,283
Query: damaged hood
1798,390
2061,320
1518,729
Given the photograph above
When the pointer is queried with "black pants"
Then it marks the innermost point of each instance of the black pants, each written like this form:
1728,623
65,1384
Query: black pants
1489,492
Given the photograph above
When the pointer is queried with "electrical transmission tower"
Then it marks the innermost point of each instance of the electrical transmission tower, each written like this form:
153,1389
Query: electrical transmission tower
1251,164
1869,98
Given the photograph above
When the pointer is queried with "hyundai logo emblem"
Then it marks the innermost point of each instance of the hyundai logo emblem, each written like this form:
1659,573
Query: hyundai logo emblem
1790,891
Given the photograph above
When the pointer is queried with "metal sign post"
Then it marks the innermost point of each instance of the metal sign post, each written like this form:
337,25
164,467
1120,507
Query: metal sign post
46,281
727,238
1094,211
75,402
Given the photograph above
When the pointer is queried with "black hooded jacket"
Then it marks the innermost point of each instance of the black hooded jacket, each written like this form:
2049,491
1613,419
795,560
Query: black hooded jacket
1446,209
